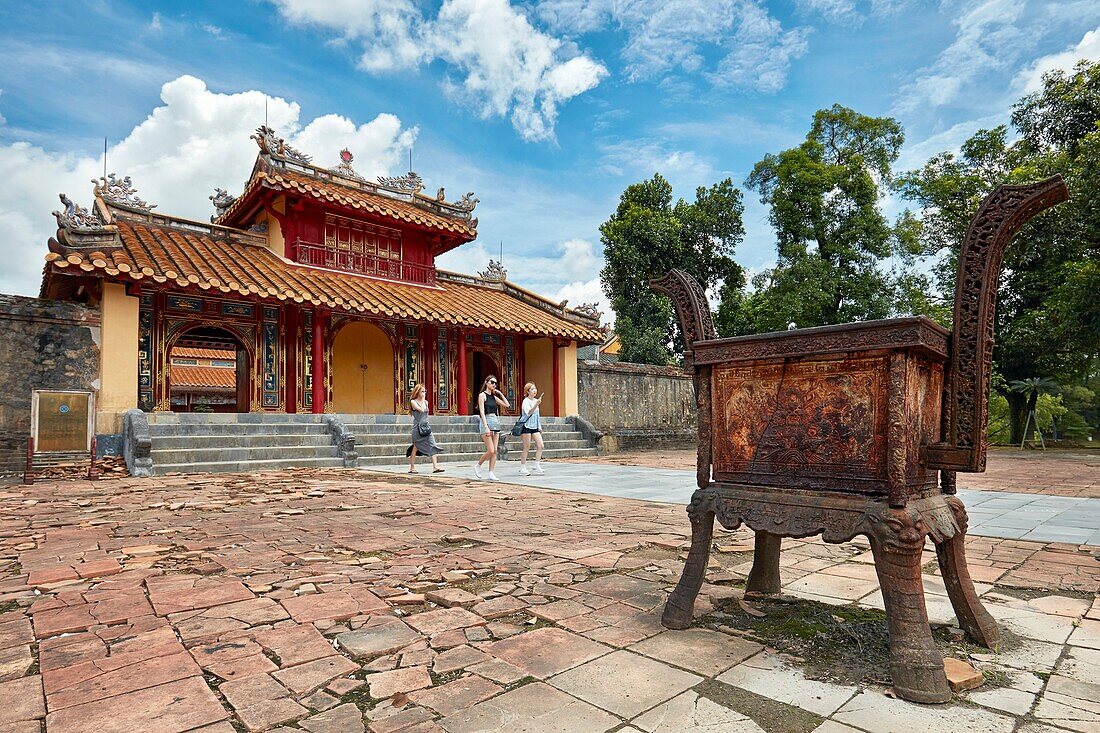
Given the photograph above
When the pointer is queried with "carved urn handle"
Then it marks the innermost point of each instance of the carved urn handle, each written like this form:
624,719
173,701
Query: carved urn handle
966,382
692,308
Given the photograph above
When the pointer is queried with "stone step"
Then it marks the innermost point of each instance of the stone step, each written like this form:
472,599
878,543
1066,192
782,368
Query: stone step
247,466
470,446
471,458
460,435
238,429
239,441
402,430
217,455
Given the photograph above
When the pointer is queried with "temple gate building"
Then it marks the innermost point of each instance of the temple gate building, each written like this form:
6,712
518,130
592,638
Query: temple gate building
312,291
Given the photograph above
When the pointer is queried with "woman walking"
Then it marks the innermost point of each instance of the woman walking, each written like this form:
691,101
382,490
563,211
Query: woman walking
489,401
532,429
423,441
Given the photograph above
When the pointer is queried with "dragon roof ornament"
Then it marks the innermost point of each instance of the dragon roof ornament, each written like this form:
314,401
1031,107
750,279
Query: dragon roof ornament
75,218
467,203
222,200
271,144
495,272
588,310
409,183
121,192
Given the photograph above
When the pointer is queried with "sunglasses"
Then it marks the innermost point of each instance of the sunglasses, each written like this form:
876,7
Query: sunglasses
492,381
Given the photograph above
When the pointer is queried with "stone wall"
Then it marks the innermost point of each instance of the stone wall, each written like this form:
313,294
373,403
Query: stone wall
637,405
44,344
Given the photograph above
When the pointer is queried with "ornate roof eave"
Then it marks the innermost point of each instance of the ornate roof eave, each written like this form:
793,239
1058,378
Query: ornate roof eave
534,299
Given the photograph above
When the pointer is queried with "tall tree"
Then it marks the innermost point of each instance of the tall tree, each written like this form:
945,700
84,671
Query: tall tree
824,199
1048,316
647,236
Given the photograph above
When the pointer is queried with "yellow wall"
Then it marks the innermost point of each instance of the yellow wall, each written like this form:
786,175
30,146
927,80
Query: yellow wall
118,358
538,368
274,234
355,390
567,372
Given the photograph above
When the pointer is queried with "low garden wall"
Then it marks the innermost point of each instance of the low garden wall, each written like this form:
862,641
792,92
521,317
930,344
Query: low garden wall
637,405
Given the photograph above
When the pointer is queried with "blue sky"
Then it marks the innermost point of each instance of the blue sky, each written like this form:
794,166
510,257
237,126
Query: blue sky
546,110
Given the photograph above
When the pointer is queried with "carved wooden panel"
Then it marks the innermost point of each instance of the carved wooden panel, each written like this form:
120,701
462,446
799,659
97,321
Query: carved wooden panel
809,424
923,390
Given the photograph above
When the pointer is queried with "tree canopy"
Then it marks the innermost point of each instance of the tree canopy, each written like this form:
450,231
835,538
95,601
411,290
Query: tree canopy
646,237
832,238
1048,313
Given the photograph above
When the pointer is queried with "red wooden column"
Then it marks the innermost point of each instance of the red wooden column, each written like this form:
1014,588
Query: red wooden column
460,388
291,357
318,361
556,378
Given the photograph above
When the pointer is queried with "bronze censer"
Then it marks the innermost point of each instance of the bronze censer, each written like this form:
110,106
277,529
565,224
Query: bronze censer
856,429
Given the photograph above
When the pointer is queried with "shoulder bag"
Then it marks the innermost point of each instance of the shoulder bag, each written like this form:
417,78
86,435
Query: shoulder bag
517,429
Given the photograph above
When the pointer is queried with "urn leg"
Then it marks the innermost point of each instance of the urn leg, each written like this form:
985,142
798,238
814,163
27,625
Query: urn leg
680,608
916,665
764,576
973,618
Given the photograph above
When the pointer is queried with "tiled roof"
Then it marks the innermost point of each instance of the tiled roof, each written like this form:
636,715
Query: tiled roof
189,259
281,179
185,352
202,376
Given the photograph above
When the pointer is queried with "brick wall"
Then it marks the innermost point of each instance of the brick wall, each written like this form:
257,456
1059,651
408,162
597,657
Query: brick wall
637,405
44,344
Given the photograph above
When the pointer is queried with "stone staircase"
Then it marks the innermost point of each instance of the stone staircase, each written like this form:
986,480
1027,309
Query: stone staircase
198,443
383,439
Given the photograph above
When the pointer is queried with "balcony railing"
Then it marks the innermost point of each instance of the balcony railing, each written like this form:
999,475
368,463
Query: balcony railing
361,263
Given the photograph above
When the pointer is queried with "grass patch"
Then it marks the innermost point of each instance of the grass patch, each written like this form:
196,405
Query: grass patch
273,657
771,715
653,553
9,606
521,682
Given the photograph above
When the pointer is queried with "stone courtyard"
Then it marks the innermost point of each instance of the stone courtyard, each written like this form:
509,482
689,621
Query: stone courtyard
341,600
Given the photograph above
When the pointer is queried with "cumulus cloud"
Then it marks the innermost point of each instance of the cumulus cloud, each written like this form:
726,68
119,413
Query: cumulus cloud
645,157
987,39
505,67
832,10
196,140
1031,78
754,50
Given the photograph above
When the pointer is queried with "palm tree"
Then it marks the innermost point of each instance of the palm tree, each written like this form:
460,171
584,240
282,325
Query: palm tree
1032,387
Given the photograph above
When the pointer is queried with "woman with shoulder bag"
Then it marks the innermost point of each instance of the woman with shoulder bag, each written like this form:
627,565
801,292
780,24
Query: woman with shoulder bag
489,401
531,429
423,441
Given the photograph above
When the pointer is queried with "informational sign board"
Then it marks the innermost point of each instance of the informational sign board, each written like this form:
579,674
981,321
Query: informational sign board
62,420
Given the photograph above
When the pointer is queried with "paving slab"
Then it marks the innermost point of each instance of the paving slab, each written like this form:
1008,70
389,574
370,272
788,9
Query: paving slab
624,683
546,652
690,713
769,676
533,708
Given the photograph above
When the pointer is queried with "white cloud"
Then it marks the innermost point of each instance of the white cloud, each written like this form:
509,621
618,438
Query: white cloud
916,154
506,67
643,158
762,52
667,35
196,140
834,11
389,30
1031,79
987,39
587,291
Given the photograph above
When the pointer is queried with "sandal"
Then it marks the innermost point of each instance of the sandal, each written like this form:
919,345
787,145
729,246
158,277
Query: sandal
413,470
438,470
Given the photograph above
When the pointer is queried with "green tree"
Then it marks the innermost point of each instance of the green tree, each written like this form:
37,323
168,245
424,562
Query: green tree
646,237
1048,316
832,238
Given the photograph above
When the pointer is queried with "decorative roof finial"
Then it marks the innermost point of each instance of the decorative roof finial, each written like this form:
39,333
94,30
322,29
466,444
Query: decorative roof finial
121,193
588,310
222,201
467,202
410,182
345,169
270,144
76,218
495,272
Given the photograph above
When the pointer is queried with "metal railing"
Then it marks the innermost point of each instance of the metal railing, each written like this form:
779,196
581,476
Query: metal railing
362,263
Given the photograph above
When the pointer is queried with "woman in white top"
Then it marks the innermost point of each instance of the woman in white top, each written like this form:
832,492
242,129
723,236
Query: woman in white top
531,429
